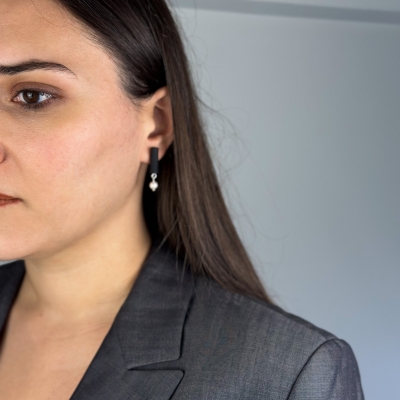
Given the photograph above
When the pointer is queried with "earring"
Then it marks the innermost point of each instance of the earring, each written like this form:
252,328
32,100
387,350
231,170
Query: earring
153,168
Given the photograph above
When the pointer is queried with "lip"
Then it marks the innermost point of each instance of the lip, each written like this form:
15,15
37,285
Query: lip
5,203
6,200
5,197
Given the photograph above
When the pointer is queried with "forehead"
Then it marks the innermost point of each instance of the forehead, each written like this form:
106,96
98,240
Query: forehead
36,28
35,24
42,29
34,16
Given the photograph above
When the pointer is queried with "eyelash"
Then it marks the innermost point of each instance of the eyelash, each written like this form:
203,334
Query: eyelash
37,106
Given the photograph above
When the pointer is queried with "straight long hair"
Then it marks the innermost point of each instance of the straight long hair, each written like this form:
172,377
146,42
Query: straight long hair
189,211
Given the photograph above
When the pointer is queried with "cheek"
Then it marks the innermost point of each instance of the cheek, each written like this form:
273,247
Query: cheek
87,159
71,176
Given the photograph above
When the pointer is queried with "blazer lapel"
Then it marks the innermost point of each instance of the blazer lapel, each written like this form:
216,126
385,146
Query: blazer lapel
146,331
107,377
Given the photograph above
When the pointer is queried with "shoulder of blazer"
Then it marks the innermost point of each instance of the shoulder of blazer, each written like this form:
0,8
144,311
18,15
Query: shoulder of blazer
256,316
271,353
242,339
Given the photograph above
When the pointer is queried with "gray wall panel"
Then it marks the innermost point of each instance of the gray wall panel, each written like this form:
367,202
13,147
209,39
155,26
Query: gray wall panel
310,167
383,5
318,10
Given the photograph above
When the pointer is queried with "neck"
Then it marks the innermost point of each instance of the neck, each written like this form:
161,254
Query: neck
88,281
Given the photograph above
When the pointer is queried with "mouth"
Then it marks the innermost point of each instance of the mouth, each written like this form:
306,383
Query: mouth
6,200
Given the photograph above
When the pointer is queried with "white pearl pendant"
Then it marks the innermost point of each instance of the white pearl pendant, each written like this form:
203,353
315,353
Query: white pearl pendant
153,185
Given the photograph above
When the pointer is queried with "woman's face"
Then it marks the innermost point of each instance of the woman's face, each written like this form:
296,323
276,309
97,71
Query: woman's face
77,161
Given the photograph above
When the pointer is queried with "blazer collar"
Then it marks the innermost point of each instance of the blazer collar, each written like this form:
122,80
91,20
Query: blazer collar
147,330
149,324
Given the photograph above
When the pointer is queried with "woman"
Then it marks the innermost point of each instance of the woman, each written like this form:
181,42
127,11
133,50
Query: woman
130,281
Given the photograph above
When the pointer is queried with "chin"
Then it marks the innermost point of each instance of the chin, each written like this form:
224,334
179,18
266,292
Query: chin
15,248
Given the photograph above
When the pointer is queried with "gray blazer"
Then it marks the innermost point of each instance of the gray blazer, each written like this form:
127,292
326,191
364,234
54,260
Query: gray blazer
181,338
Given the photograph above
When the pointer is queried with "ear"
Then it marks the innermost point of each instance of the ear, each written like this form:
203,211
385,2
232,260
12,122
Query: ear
160,128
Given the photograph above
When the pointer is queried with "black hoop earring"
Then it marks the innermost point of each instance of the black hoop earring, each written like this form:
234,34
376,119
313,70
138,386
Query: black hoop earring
153,168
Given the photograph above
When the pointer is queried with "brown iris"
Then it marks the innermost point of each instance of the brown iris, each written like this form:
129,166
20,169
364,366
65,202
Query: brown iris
32,97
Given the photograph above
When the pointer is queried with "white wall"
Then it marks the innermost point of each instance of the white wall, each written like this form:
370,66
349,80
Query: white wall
312,167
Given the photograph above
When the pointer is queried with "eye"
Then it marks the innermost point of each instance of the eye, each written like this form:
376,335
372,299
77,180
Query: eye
33,99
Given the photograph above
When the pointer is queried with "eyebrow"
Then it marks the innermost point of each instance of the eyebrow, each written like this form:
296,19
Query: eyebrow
32,65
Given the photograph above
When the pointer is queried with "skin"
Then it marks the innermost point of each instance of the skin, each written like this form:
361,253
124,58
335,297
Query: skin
78,165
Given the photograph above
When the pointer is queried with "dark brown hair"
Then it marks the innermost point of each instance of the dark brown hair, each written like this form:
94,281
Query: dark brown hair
143,38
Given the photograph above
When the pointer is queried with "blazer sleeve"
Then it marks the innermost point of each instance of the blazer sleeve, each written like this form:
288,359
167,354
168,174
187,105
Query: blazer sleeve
331,373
